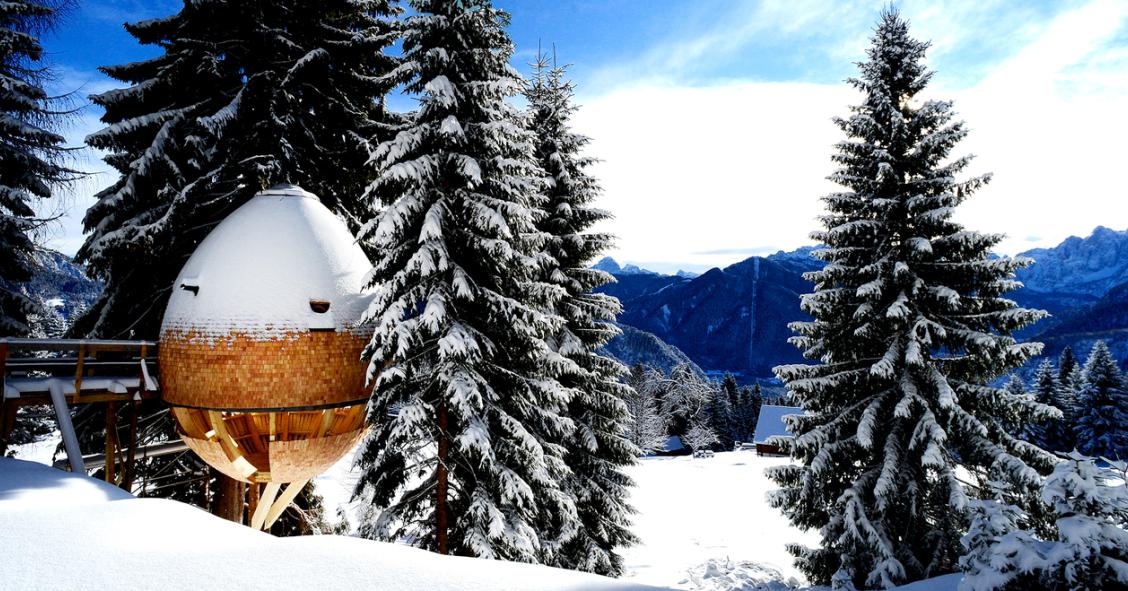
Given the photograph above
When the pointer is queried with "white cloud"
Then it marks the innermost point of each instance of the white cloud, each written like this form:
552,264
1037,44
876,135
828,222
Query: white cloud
721,167
691,170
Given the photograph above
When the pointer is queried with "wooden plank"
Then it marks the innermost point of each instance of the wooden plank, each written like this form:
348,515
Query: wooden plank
130,467
283,501
78,373
111,442
266,499
34,398
326,422
230,446
273,425
253,434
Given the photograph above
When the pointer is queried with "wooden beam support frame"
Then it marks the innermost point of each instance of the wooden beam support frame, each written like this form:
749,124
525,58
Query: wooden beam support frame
78,374
111,443
265,500
229,445
279,506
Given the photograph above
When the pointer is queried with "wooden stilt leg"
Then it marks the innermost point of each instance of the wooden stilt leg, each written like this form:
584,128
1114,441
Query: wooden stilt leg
130,469
283,501
111,441
264,502
441,525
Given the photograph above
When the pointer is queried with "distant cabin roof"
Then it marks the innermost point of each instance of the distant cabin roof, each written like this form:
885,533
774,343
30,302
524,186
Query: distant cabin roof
770,423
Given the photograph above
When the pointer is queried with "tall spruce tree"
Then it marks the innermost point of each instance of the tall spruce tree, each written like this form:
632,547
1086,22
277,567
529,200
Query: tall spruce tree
596,451
1101,425
31,153
244,95
909,329
1053,434
464,454
1067,362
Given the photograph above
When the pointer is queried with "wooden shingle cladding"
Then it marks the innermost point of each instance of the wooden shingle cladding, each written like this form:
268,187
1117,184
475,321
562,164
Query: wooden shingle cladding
302,369
267,410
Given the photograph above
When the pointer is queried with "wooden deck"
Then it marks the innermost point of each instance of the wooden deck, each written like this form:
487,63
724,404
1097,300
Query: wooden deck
64,372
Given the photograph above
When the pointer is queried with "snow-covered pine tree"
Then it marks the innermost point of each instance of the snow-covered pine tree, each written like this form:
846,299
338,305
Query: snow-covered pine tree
1089,550
719,416
1101,426
596,451
998,551
647,427
1067,362
1052,434
909,329
1015,389
751,401
244,95
31,152
458,458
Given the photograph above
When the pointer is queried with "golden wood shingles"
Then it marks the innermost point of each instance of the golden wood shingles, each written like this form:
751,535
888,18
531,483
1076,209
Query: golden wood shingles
304,369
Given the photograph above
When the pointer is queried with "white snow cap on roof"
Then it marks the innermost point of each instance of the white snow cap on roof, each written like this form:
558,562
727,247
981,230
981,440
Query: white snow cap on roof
770,424
265,269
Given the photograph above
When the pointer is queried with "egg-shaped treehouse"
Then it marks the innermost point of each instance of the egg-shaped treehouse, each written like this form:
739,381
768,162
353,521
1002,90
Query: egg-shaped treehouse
261,345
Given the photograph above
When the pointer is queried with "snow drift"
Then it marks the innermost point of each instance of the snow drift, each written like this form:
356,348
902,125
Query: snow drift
64,531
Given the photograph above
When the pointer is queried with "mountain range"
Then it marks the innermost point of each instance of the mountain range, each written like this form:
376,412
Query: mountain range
734,319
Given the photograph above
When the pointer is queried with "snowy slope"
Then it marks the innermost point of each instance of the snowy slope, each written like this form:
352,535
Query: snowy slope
695,510
62,531
705,525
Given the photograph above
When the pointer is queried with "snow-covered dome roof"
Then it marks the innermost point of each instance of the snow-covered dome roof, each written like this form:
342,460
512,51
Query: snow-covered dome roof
280,263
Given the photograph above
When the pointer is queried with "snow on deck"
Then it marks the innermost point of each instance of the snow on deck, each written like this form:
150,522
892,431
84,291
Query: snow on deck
64,531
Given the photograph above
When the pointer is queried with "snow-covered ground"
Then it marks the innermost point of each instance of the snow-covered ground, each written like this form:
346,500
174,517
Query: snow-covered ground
63,531
704,524
708,516
701,521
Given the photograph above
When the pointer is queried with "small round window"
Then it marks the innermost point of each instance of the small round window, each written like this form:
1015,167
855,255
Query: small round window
319,306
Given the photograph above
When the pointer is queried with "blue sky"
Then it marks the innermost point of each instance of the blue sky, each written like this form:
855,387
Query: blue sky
712,117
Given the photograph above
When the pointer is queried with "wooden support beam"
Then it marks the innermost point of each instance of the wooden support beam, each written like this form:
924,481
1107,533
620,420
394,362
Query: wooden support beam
326,422
264,503
283,501
230,446
78,373
131,459
111,442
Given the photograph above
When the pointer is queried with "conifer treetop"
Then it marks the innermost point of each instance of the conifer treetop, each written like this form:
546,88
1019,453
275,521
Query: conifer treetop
910,328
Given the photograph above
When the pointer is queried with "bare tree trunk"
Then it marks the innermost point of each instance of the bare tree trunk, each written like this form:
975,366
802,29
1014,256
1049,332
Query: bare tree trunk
229,494
441,526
